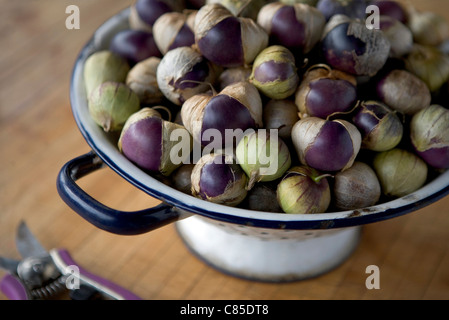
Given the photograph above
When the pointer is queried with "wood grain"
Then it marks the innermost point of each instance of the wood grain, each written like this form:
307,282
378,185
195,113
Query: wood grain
38,135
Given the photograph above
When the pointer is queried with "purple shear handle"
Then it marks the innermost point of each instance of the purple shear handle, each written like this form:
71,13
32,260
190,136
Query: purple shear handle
63,260
13,288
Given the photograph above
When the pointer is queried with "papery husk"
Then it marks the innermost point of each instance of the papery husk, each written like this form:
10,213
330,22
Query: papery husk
248,95
191,16
104,66
335,21
175,65
375,140
254,38
233,75
400,172
429,64
142,114
192,112
266,14
136,22
262,198
388,132
182,140
143,81
314,73
235,191
261,145
185,146
207,17
428,28
110,105
325,71
368,63
280,115
355,188
166,28
277,89
313,20
309,2
241,8
429,128
404,92
356,138
399,36
303,133
181,178
304,190
377,47
306,130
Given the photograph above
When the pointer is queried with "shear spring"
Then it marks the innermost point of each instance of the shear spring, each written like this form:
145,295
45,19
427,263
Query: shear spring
52,289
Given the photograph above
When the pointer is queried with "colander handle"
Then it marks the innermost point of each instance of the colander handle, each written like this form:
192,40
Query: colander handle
103,217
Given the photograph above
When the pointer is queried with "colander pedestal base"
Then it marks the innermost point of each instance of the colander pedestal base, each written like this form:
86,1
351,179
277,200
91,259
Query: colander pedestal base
265,254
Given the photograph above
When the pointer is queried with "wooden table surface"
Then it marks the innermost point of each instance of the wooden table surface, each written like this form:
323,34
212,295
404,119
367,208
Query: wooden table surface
38,135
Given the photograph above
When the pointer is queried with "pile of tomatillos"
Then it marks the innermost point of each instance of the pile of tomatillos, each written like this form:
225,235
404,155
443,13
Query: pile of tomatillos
286,106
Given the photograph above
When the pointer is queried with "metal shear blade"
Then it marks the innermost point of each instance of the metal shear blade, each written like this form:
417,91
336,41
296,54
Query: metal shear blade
27,244
42,275
9,265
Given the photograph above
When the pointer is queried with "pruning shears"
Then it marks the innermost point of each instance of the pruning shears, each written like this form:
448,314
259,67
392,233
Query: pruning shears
53,274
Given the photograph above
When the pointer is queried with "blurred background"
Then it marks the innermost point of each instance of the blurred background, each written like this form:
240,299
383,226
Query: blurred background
38,136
